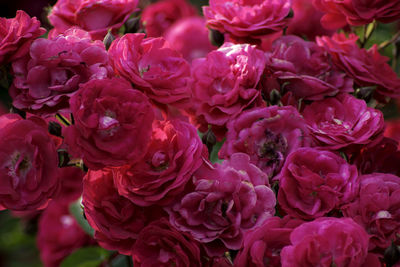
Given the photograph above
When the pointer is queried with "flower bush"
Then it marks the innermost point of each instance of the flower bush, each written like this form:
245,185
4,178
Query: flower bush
264,133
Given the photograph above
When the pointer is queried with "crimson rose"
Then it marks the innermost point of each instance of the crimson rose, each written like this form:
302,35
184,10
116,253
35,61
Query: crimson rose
112,123
28,160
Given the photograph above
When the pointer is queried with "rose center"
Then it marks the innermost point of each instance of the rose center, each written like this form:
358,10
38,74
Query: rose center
18,168
108,124
159,161
272,148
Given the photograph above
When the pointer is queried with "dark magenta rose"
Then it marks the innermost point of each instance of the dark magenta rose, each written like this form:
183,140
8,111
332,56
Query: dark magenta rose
366,67
377,209
112,125
59,234
267,135
225,82
173,155
314,182
328,241
247,21
116,221
381,157
262,246
160,244
45,80
306,20
16,35
158,17
95,17
227,200
343,122
158,70
304,69
339,13
189,36
29,164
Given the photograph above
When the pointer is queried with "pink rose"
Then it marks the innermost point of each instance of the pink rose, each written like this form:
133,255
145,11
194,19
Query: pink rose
16,36
262,246
225,82
357,12
377,208
189,36
58,234
158,17
112,123
328,242
96,17
160,244
343,121
313,183
247,21
116,220
366,67
28,160
304,69
159,71
227,200
173,154
47,78
267,135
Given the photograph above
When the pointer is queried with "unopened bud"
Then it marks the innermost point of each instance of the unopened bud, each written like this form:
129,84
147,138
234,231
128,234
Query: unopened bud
274,97
216,38
132,25
108,39
209,140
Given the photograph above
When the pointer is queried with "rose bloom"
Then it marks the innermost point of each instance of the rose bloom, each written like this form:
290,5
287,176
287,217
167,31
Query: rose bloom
328,242
339,13
343,121
16,36
160,244
45,80
189,36
247,21
116,220
224,84
366,67
158,70
314,182
227,200
377,208
261,246
173,154
59,234
267,135
112,123
381,157
306,20
304,69
158,17
28,160
96,17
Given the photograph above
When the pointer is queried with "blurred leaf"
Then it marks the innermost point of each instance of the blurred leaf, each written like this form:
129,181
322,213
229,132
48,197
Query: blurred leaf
122,261
86,257
214,154
77,211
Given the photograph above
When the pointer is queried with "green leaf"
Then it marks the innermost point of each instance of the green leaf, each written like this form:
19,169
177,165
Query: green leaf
86,257
214,153
76,210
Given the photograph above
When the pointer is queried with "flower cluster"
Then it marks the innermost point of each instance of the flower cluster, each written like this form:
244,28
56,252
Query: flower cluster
268,150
